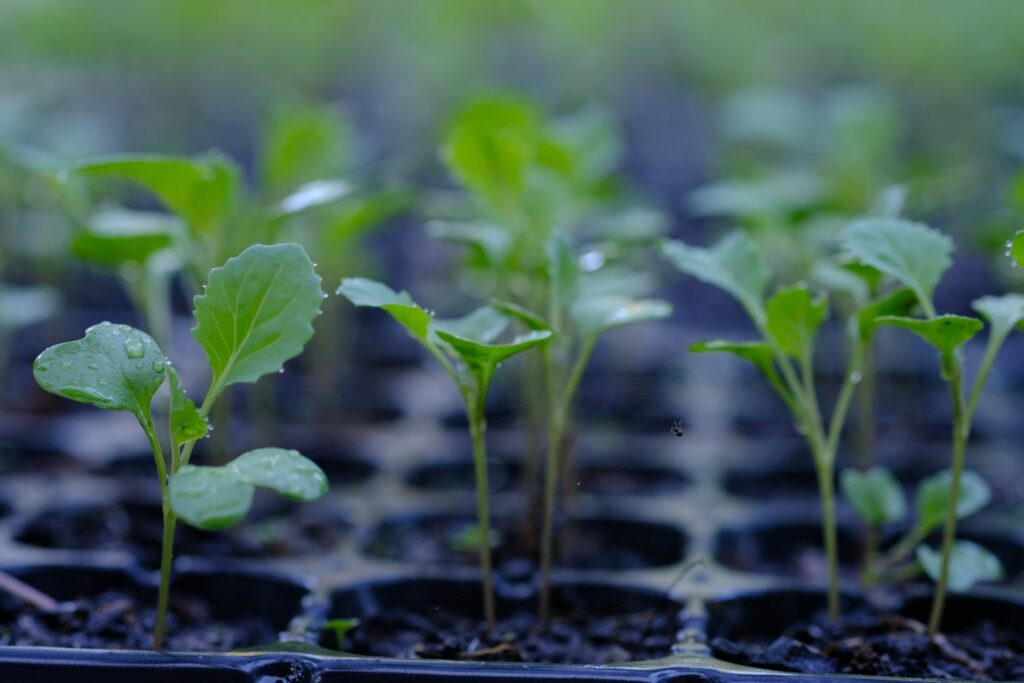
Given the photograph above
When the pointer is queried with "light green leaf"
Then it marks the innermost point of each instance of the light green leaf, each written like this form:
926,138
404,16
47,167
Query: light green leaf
775,194
897,304
912,253
187,424
480,355
301,144
340,628
596,314
837,278
209,497
735,264
933,497
200,190
118,236
757,352
1016,245
527,317
364,292
257,312
23,306
483,325
1003,313
793,319
114,367
875,495
946,333
969,564
286,472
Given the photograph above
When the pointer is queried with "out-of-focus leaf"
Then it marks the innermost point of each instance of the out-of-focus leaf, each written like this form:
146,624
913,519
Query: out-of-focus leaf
875,495
969,564
933,497
793,319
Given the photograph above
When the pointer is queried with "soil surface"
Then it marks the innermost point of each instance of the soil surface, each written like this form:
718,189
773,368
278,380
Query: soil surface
123,620
443,634
869,643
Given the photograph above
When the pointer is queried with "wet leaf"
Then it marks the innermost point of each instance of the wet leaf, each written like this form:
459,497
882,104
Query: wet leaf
257,312
187,424
114,367
286,472
364,292
209,498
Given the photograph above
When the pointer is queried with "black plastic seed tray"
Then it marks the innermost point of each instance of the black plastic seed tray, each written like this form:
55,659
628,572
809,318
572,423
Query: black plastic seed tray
648,504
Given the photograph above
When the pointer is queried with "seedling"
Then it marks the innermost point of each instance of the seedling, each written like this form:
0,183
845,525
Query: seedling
340,628
788,323
255,314
529,175
878,499
917,256
468,351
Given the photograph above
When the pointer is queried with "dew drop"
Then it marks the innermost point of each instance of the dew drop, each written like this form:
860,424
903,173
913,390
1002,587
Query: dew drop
93,366
159,366
856,377
133,348
42,368
66,364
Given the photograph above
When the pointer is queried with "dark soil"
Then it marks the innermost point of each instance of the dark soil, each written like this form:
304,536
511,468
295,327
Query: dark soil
585,544
568,639
122,620
273,530
869,643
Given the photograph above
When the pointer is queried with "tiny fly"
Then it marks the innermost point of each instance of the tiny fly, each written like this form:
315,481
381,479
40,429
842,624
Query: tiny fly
677,428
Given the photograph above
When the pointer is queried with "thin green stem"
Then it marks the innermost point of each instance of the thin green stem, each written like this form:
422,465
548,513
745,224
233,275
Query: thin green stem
167,550
866,410
854,375
995,342
826,490
478,428
961,430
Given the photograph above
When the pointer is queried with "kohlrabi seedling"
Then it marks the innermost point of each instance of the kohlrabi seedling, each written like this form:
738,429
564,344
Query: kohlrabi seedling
878,499
468,350
256,313
917,256
788,323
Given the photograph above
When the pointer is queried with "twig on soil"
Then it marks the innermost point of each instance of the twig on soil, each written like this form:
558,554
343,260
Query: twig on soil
27,593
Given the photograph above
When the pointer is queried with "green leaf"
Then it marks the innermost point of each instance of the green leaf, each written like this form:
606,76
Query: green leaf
302,143
187,424
257,312
483,325
735,264
482,355
118,236
490,241
562,268
490,146
898,304
1016,245
200,190
757,352
340,628
793,319
286,472
364,292
837,278
209,497
527,317
875,495
933,497
1003,313
23,306
969,564
777,194
912,253
946,333
114,367
594,315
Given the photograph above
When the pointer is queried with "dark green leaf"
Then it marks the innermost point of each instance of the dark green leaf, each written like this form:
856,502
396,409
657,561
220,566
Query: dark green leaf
480,355
969,564
114,367
898,304
257,312
946,333
119,236
933,497
483,325
757,352
875,495
187,424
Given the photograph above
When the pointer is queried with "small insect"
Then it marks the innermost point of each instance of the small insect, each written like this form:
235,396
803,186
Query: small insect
677,428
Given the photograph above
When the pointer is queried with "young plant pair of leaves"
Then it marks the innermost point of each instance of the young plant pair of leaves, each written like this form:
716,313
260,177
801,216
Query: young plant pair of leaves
256,313
878,499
